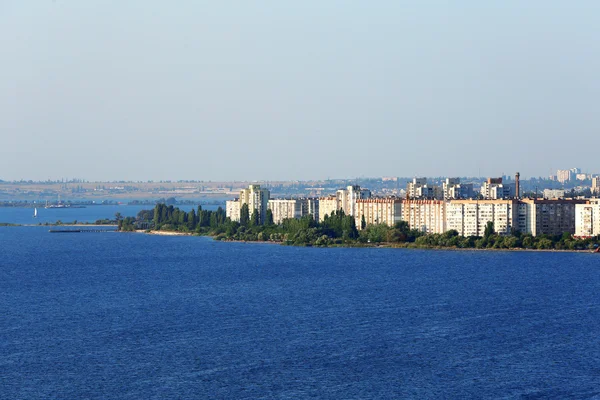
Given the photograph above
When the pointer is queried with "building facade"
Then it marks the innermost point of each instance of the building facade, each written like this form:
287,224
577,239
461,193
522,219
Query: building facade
378,211
494,189
428,216
587,219
232,209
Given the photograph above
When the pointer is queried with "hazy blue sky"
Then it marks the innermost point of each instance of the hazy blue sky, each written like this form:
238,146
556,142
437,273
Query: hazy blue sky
266,90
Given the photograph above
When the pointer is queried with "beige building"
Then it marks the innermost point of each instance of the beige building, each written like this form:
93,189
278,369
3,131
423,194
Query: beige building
427,216
378,211
327,205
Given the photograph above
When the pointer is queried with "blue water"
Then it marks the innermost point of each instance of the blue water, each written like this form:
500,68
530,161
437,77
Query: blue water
21,215
134,316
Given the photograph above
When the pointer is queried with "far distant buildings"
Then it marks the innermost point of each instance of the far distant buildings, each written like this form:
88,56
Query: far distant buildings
494,189
566,175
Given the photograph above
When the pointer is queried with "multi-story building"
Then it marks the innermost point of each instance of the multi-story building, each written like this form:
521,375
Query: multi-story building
428,216
419,189
470,217
293,208
232,209
285,209
453,189
550,217
327,206
348,197
587,219
378,211
494,189
257,200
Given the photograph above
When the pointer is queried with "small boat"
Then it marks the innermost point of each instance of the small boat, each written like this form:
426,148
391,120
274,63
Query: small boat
597,250
35,212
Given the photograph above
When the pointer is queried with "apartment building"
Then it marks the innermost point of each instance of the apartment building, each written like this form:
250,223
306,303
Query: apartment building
327,205
587,219
348,197
428,216
551,217
378,211
257,200
293,208
232,209
470,217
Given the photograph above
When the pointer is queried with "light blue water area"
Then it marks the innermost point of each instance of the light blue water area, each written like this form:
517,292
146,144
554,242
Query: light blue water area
20,215
135,316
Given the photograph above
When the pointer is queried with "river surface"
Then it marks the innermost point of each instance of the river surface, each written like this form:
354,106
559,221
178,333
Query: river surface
135,316
90,214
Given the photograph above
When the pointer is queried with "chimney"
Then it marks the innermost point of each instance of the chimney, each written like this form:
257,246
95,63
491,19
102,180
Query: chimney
517,185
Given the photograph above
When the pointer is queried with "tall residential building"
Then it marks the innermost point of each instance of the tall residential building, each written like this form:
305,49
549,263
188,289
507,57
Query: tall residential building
566,175
587,219
428,216
378,211
257,200
494,189
347,198
453,189
327,205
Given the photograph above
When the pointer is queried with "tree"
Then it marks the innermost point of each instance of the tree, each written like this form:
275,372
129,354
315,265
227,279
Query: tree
269,218
363,223
489,229
244,215
255,219
118,216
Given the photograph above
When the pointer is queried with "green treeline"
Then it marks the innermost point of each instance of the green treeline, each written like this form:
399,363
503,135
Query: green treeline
338,229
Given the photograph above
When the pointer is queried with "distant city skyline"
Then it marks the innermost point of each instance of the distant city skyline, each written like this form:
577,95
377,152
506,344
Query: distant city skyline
105,90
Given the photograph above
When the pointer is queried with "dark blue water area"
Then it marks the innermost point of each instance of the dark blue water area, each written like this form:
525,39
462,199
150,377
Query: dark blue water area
24,216
135,316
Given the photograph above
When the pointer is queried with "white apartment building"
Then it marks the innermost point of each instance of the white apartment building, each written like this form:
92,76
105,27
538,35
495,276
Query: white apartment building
551,217
470,217
347,198
285,209
453,189
587,219
232,209
419,189
378,211
293,208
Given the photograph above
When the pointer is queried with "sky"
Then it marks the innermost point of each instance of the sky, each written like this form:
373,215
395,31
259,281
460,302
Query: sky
283,90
